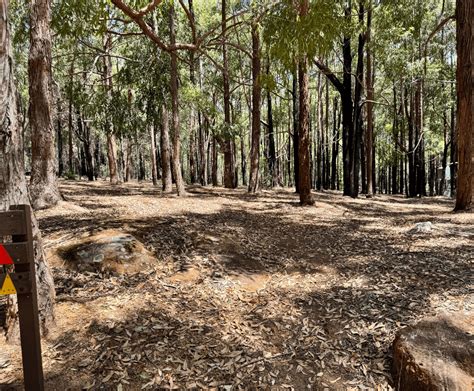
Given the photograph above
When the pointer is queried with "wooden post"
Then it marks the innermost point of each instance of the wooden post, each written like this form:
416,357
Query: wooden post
17,223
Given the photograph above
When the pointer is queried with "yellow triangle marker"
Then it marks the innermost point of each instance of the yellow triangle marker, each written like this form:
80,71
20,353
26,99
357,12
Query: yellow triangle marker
8,288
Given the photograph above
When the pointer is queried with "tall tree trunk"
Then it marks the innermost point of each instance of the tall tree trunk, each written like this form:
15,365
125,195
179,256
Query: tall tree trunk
215,181
465,95
175,109
304,133
59,123
327,164
369,106
154,167
166,179
44,190
229,164
303,147
358,121
71,122
243,160
319,139
296,137
13,188
335,144
272,163
348,141
411,145
109,129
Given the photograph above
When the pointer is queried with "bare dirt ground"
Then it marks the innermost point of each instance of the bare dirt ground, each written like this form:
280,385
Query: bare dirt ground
247,292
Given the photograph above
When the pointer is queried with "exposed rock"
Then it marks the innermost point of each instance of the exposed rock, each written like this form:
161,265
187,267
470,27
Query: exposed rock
109,250
435,354
424,227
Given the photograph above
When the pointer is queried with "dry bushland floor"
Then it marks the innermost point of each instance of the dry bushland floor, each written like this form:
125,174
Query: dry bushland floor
247,292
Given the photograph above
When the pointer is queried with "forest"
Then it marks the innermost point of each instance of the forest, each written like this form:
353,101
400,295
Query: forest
242,194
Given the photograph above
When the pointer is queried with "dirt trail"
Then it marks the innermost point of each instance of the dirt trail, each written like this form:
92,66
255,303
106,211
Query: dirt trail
247,291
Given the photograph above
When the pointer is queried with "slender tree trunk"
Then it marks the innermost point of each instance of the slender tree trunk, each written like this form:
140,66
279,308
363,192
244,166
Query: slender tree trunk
229,169
154,168
303,147
215,181
327,164
465,95
348,141
13,188
71,122
109,129
335,145
358,121
44,190
369,105
272,163
319,139
296,137
304,118
60,138
256,102
165,152
175,109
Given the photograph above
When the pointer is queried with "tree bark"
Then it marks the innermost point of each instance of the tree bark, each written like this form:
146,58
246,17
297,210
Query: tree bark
304,132
44,190
166,179
303,147
229,164
296,137
109,128
335,144
13,188
59,125
465,95
175,109
154,168
256,106
358,121
215,181
71,122
370,107
272,163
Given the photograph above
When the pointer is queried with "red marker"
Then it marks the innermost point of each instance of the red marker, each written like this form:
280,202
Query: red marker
5,258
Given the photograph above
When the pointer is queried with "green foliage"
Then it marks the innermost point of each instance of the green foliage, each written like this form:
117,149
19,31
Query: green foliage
291,37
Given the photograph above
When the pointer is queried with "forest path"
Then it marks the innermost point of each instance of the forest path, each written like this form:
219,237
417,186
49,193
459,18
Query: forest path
248,291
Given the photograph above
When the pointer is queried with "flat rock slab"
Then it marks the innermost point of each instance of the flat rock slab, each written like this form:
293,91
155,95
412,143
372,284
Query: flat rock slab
109,250
435,354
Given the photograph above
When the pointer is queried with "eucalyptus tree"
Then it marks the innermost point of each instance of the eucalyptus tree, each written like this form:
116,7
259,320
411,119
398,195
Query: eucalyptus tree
44,189
13,186
465,113
296,33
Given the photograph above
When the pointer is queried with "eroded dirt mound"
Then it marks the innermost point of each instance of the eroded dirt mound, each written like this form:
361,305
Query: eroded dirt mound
435,354
109,250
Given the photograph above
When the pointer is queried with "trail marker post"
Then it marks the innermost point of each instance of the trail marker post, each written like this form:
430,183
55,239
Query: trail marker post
18,276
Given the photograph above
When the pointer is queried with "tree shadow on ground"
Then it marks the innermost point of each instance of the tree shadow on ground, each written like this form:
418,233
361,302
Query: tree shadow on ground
340,287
